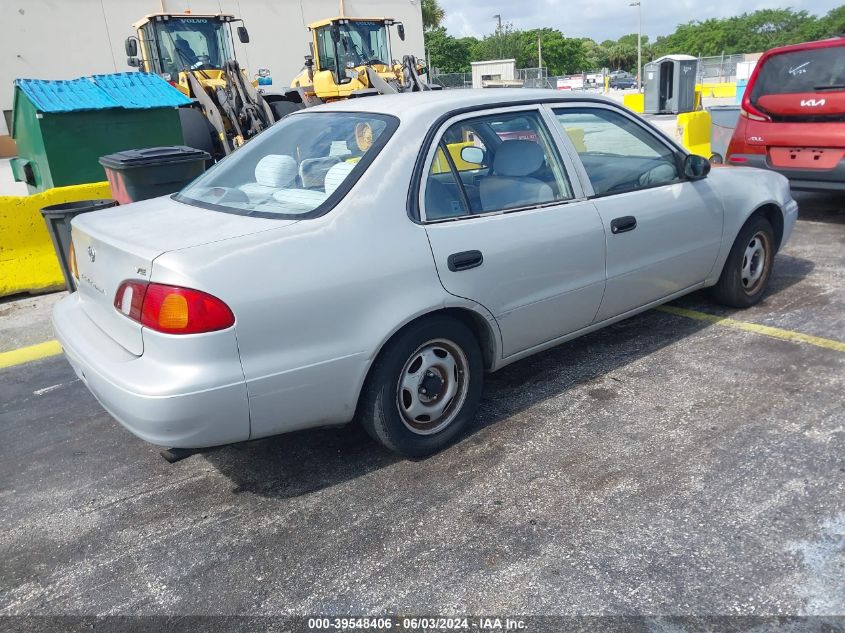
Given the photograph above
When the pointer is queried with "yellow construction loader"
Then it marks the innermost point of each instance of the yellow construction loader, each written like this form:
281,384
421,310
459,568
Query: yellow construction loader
195,53
351,58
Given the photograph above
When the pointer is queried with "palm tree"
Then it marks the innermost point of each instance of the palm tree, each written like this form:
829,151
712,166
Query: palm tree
432,14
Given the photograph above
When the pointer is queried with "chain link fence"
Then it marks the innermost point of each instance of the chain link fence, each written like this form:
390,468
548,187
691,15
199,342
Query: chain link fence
452,80
719,69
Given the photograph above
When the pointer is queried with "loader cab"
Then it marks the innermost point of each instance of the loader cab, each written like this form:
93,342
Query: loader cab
342,44
174,43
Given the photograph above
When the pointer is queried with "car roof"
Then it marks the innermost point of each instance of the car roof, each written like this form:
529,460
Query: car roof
435,103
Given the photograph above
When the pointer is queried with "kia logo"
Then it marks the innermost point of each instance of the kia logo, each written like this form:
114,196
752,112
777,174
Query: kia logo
92,254
812,103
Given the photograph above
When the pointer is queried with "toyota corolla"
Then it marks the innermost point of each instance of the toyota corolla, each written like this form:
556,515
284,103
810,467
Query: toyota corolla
372,259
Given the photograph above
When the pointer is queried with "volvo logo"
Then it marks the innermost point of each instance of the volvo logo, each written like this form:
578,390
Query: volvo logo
92,254
812,103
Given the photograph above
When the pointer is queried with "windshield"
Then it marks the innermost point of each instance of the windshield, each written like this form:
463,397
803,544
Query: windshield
297,168
361,42
192,43
810,71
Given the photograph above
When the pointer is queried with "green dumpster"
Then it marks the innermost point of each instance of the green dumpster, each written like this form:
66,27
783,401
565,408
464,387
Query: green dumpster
63,127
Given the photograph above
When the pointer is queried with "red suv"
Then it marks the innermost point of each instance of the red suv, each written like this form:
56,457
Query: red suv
793,116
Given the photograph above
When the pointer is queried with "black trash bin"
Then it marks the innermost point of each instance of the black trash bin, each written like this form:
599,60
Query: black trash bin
58,218
140,174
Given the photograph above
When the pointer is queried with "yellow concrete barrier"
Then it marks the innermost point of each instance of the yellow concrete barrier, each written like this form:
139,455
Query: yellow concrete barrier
693,130
718,91
634,101
576,135
28,261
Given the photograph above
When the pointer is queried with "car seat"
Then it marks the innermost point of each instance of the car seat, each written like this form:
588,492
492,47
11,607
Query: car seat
511,184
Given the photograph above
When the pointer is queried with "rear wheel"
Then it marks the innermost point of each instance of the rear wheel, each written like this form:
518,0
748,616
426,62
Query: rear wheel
748,267
424,388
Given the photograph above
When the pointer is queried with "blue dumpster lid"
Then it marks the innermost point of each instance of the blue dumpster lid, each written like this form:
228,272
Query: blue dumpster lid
131,90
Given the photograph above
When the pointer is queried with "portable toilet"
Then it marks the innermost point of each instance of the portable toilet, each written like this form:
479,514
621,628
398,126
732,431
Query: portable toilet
670,84
62,127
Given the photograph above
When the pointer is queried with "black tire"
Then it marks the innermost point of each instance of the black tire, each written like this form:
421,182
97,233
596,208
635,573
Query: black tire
716,159
739,285
197,132
379,409
283,108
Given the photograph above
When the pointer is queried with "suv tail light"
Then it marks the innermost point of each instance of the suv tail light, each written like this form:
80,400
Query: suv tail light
172,309
750,112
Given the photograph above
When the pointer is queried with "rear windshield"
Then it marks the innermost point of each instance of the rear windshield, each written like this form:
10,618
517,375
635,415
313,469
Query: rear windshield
299,168
811,71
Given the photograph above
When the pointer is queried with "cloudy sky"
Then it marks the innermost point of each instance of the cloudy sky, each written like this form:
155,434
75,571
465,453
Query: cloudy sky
603,19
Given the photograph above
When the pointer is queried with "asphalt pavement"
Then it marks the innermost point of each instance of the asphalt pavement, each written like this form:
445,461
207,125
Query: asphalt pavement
664,465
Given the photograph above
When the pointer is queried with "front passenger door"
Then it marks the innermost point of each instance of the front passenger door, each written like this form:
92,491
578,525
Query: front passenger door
514,235
663,231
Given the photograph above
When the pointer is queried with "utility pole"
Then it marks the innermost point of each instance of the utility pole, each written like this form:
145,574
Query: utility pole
639,6
498,17
539,53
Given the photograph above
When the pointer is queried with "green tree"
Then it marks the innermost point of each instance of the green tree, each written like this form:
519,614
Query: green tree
432,14
448,54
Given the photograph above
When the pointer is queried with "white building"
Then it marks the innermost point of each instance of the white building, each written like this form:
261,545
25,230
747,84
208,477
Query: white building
50,39
493,73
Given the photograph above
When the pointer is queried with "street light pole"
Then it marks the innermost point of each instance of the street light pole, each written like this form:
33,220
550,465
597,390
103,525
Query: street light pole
498,17
639,43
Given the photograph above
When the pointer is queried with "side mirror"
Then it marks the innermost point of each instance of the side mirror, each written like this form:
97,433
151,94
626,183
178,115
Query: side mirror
472,155
243,35
696,167
400,29
133,62
131,46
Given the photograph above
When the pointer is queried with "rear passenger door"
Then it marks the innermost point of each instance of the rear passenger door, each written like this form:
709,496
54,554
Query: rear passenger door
510,227
663,231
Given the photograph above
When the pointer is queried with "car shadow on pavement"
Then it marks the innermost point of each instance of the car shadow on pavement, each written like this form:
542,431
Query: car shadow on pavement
297,464
821,207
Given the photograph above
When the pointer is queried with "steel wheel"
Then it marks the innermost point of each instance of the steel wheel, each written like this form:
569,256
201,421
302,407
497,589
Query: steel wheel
755,262
432,386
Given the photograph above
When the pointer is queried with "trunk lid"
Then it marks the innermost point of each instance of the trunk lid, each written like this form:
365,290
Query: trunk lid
122,243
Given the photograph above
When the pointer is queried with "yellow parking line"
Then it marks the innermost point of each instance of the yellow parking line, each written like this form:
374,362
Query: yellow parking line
775,332
27,354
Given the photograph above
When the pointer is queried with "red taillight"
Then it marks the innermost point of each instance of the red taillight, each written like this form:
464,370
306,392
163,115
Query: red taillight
750,112
171,309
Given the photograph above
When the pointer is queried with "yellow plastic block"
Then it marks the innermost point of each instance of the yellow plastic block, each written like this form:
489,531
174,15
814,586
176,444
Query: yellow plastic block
28,261
717,91
693,130
634,101
576,135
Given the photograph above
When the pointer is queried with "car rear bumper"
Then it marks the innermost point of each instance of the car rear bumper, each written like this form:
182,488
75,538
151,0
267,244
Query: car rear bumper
799,179
162,401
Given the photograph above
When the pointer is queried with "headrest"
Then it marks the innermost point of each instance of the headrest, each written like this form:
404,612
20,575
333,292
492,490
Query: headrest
336,175
517,158
275,170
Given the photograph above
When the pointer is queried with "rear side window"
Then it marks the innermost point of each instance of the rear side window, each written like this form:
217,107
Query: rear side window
494,163
299,168
810,71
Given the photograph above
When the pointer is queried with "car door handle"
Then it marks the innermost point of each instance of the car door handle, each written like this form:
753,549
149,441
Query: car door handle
623,224
464,260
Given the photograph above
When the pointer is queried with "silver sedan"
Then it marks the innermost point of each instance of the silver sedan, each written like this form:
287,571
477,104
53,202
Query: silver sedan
370,260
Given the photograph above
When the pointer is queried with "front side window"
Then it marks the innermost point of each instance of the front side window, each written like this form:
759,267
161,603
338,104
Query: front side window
494,163
618,155
295,169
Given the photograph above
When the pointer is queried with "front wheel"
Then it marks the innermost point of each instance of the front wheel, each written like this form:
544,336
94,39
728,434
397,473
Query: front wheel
424,388
748,267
